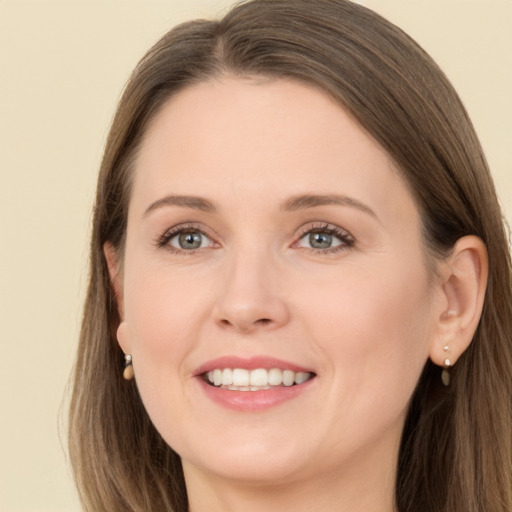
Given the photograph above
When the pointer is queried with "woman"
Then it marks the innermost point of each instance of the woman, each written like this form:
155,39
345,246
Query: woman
299,265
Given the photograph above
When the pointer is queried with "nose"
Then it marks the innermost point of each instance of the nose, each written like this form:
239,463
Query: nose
252,296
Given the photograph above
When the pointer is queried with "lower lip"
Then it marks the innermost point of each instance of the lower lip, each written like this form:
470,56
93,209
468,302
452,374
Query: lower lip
247,401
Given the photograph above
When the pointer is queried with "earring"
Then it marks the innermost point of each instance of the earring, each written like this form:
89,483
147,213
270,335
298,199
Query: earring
445,374
128,372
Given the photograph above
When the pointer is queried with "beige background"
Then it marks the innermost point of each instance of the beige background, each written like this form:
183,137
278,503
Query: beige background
63,65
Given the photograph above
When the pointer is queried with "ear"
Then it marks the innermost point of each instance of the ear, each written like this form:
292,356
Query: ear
114,270
463,283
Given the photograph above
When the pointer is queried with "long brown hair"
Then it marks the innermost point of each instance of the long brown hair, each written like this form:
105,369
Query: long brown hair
456,448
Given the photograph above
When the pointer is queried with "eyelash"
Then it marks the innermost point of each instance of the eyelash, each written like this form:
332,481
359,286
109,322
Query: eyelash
162,242
347,241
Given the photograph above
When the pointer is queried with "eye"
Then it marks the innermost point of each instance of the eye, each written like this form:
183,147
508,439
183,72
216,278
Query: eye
185,239
321,240
189,240
325,238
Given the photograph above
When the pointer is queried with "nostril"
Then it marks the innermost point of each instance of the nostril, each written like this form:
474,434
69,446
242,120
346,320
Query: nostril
245,326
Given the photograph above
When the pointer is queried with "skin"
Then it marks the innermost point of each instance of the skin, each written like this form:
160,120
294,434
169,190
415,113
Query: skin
364,316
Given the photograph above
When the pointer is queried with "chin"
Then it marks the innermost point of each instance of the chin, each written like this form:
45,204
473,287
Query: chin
258,470
253,460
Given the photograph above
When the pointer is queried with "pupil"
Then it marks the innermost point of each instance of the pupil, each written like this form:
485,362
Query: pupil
320,240
190,240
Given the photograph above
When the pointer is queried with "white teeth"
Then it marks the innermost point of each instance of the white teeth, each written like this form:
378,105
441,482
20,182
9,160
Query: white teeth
239,379
259,377
246,388
227,377
301,377
275,377
288,378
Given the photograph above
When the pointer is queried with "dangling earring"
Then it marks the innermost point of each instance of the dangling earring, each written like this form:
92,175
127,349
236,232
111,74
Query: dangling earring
128,372
445,374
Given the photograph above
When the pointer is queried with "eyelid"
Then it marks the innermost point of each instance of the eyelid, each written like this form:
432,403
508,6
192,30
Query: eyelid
325,227
162,242
343,235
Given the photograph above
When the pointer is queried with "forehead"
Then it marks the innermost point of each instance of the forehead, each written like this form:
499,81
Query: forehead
243,138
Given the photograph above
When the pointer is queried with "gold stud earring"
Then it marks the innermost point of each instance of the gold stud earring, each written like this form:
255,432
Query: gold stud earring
128,372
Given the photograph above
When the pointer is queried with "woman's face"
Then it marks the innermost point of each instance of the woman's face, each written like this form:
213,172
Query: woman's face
269,237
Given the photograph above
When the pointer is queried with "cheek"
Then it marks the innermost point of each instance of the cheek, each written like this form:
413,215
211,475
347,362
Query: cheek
164,318
375,326
372,330
161,308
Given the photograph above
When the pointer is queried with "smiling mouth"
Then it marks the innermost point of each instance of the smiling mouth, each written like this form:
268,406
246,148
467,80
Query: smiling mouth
240,379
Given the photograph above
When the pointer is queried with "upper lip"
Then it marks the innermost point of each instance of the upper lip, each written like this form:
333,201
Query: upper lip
249,363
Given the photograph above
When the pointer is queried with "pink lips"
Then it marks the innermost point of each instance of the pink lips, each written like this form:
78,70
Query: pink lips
250,401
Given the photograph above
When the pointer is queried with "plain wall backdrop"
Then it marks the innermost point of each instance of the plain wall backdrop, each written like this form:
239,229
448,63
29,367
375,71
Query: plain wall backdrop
63,65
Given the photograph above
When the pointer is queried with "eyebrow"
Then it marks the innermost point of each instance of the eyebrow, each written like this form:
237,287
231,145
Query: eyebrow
310,201
295,203
196,203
